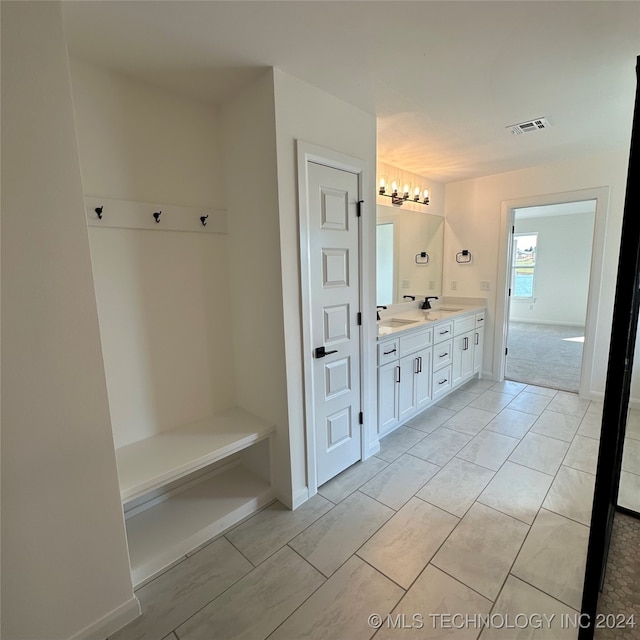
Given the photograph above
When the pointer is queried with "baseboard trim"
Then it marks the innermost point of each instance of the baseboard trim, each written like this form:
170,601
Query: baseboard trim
549,322
110,623
374,448
300,497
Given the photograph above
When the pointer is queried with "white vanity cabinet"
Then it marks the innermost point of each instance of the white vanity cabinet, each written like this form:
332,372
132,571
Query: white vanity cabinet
463,346
478,343
404,378
417,367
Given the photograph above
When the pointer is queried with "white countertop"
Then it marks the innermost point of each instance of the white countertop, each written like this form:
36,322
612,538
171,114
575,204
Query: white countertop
391,322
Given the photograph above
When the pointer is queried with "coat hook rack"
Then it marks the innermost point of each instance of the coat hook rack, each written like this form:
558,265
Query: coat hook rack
203,219
463,257
157,215
98,211
422,258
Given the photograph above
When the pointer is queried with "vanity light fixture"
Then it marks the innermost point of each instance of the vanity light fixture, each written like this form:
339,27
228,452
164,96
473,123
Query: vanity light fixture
399,199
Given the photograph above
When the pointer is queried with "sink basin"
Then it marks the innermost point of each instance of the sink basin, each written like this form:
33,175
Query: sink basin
394,323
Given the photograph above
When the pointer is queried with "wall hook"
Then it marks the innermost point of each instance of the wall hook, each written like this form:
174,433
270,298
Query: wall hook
157,215
203,219
98,211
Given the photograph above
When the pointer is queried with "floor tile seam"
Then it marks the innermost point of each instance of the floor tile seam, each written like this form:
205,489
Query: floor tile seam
253,564
478,464
324,580
437,506
382,573
466,433
459,580
381,503
230,586
541,508
363,483
429,562
334,505
553,437
633,473
519,464
413,455
529,524
240,522
563,515
566,604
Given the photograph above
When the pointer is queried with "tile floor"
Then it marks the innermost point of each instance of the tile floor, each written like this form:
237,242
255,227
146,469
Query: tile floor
478,507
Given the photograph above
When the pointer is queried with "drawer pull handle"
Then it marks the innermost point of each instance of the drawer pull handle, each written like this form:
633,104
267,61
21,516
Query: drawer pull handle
442,333
477,338
443,381
443,355
388,353
397,374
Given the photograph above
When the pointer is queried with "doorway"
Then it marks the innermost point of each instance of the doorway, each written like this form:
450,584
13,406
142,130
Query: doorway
550,263
503,302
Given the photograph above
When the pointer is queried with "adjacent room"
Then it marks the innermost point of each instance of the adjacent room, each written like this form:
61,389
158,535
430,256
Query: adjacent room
550,273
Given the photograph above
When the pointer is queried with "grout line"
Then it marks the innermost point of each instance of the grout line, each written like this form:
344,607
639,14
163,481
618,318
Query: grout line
307,598
253,564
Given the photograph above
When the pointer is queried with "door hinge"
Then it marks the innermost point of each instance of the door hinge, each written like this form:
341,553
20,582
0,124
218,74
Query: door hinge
359,317
509,291
506,351
513,229
361,418
360,203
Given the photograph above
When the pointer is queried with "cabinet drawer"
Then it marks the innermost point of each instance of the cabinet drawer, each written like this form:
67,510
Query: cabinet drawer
415,342
462,325
441,382
442,355
388,351
480,319
442,332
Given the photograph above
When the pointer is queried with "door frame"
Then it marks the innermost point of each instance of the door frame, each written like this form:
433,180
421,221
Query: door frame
311,153
501,326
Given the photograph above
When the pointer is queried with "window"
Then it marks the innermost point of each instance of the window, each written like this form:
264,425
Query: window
524,264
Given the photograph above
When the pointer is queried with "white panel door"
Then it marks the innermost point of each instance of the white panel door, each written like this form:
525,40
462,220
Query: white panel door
335,303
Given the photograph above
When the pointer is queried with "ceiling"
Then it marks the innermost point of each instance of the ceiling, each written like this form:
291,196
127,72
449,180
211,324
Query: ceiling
444,79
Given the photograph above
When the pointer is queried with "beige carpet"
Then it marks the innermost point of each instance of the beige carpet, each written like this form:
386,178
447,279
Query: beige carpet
544,355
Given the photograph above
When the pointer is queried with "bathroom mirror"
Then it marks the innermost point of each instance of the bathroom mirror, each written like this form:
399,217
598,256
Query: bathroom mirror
401,269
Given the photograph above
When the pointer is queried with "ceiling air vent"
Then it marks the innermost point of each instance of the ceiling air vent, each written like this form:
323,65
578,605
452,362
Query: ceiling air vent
531,125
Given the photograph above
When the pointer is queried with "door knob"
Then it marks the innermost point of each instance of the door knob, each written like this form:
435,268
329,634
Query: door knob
321,353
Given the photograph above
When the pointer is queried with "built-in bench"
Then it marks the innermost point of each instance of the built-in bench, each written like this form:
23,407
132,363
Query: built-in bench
186,514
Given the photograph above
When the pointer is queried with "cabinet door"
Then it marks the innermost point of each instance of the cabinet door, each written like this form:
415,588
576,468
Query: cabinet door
388,376
422,379
406,396
462,357
478,340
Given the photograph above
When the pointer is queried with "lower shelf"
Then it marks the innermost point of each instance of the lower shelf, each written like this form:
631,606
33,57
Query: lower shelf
167,531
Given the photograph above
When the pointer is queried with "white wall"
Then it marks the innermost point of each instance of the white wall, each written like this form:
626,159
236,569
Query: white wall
161,295
249,142
64,552
563,263
304,112
473,213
